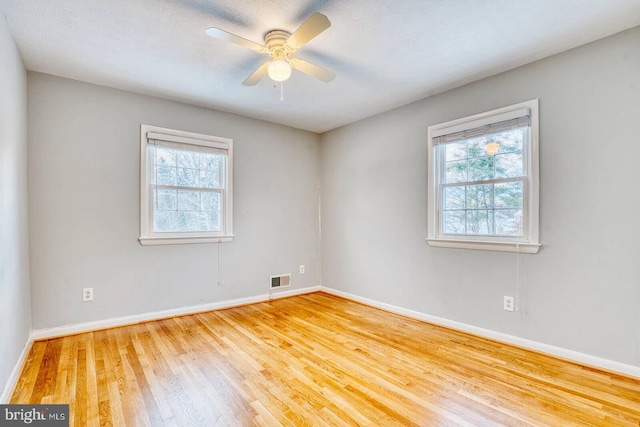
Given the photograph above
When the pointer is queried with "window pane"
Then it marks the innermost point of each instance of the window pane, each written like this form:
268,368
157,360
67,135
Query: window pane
197,221
508,165
454,198
477,147
164,156
210,179
509,195
211,201
480,196
188,200
209,221
481,169
186,210
456,171
165,200
473,209
456,151
480,222
210,162
164,221
188,177
166,175
510,140
188,159
509,222
453,222
188,168
489,209
188,221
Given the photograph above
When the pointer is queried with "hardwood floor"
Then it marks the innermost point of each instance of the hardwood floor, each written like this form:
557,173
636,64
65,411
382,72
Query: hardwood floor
314,360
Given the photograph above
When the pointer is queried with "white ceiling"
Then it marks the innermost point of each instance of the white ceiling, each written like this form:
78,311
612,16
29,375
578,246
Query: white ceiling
385,53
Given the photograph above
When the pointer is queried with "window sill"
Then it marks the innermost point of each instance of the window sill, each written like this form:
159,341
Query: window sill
150,241
524,248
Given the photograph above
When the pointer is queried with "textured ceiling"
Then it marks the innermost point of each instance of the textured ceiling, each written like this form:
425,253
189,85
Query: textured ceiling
385,53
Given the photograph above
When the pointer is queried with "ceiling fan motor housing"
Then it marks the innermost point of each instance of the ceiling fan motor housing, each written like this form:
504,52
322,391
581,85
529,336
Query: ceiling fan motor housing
275,42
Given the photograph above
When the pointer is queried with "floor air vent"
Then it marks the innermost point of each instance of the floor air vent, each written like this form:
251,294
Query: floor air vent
280,281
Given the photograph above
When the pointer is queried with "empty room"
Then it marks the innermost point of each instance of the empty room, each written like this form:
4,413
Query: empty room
319,212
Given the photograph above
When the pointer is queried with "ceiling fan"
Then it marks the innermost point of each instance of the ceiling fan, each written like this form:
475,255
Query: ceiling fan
282,47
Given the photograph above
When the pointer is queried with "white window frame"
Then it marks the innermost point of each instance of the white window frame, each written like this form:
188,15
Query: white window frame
529,242
147,235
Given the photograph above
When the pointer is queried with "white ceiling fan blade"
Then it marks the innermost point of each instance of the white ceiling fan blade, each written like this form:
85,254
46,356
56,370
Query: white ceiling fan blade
312,70
314,25
257,75
223,35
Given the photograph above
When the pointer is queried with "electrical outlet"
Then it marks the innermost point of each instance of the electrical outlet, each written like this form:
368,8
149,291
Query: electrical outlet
87,294
302,269
508,304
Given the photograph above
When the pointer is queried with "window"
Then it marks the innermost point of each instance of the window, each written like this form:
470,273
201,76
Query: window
185,187
483,181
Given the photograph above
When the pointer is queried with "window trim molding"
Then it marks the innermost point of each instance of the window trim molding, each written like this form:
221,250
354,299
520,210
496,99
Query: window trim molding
147,236
527,244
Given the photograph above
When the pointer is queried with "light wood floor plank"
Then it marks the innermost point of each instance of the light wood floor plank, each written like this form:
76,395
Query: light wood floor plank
315,360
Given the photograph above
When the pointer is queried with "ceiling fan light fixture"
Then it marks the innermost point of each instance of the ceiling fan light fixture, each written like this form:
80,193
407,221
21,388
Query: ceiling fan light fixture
279,70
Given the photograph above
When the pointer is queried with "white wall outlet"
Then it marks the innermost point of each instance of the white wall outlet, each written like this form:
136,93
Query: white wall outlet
508,304
87,294
302,269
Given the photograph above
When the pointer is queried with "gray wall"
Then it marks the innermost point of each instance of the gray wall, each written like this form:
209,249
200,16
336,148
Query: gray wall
582,291
15,308
84,161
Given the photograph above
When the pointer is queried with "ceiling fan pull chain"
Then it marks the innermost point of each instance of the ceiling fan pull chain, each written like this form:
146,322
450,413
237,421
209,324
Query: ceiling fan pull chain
281,91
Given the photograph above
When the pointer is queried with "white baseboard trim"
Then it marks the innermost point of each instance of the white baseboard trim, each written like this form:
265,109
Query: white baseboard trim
15,373
562,353
77,328
39,334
